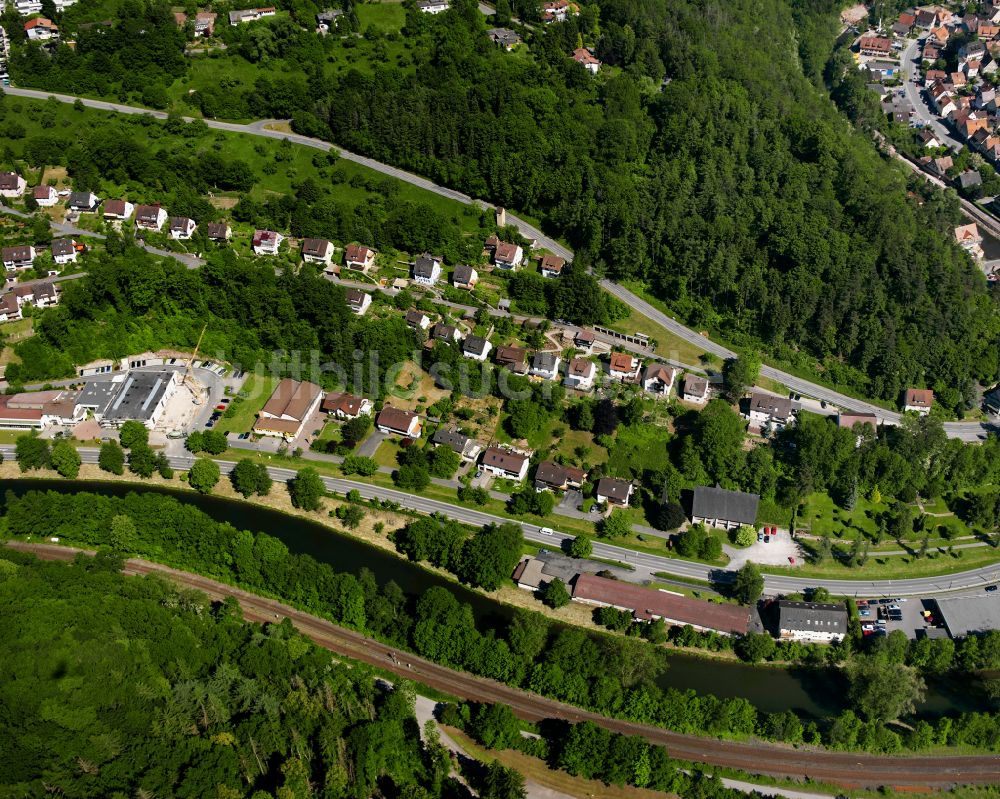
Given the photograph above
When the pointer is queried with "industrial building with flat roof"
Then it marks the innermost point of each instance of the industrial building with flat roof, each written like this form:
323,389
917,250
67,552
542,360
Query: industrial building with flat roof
970,615
136,396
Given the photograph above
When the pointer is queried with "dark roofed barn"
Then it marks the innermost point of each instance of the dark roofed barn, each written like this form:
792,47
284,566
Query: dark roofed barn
720,507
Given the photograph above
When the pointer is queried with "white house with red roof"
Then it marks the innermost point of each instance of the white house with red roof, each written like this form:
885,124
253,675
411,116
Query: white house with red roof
266,242
12,185
41,29
45,196
587,60
359,258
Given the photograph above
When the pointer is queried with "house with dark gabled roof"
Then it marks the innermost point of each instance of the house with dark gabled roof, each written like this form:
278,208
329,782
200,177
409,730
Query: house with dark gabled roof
464,277
552,476
12,184
346,406
504,254
458,442
63,251
918,400
504,37
182,228
359,258
398,421
448,333
20,257
513,358
317,251
614,491
768,409
811,621
83,201
427,269
695,389
551,265
505,463
219,231
357,300
45,196
580,374
418,320
720,507
150,217
545,365
659,379
118,210
476,347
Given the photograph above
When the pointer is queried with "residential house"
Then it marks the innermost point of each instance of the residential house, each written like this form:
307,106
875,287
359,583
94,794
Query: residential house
84,202
504,255
940,166
150,217
970,240
875,46
326,20
881,70
41,29
117,210
972,50
849,420
19,257
182,228
464,277
958,80
580,374
816,622
933,76
346,406
266,242
513,358
204,23
45,196
720,507
648,604
10,307
624,367
12,185
40,295
417,320
614,491
219,231
530,574
249,15
359,258
918,400
317,251
905,24
467,448
447,333
476,347
941,99
991,403
695,389
289,407
927,18
927,138
767,409
659,379
931,51
587,60
940,35
970,179
27,7
505,463
358,301
584,340
545,365
551,265
555,11
504,37
63,251
427,269
399,422
433,6
552,476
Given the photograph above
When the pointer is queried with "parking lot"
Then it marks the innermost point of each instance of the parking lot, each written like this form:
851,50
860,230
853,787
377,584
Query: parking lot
896,614
778,550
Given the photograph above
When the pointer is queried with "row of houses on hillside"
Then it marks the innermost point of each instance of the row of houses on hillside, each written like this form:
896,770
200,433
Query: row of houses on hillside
35,295
21,257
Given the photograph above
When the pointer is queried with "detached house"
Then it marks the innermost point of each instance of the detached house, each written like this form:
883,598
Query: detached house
398,421
552,476
504,255
427,269
266,242
447,333
695,389
63,251
150,217
464,277
720,507
555,11
182,228
219,231
970,240
84,202
476,347
118,210
45,196
317,251
249,15
204,23
16,258
347,406
288,409
418,320
545,365
505,463
41,29
659,379
580,374
359,258
358,301
458,442
623,367
768,409
513,358
614,491
918,400
504,37
584,340
551,265
587,60
433,6
875,46
12,185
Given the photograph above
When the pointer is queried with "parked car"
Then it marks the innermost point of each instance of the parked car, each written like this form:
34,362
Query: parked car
546,531
864,612
243,436
767,539
990,589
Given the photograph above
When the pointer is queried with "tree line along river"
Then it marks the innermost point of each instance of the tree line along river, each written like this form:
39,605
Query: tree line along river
809,691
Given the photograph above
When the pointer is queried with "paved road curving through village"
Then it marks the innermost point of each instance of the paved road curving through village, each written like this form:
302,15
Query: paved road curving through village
849,770
967,431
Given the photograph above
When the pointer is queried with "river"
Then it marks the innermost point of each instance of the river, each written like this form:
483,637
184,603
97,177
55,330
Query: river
811,692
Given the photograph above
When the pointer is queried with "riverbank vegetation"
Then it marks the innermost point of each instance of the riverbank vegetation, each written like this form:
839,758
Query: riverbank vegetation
611,674
203,704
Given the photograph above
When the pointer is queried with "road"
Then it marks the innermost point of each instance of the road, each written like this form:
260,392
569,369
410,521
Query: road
967,431
847,769
774,584
909,59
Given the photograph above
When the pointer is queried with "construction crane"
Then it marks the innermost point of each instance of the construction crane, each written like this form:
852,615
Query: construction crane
198,390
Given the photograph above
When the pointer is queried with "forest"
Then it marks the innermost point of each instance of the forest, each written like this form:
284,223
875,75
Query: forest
614,675
118,686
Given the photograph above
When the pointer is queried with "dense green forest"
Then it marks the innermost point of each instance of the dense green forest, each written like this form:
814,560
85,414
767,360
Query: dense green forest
614,675
116,687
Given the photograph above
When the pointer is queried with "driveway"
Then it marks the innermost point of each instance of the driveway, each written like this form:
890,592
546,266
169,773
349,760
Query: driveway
369,446
776,552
